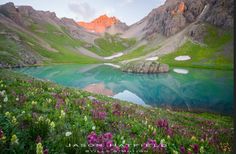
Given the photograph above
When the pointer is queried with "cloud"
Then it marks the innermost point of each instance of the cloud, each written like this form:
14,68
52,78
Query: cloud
126,2
82,10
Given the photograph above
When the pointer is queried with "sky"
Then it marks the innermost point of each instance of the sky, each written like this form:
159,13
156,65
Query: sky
128,11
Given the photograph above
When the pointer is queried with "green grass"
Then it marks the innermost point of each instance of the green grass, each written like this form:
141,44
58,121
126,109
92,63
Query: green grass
209,56
29,108
8,50
110,44
139,52
62,43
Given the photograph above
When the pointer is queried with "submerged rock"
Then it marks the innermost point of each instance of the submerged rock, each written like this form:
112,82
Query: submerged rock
145,67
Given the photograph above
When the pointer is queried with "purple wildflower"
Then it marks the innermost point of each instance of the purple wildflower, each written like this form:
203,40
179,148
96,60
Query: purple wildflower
1,133
162,123
99,115
182,149
116,149
169,131
152,146
195,148
107,136
45,151
125,149
92,138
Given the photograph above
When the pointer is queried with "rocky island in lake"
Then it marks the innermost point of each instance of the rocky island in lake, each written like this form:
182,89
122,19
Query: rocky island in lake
145,67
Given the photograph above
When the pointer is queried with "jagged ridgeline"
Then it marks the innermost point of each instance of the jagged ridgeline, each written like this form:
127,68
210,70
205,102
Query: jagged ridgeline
200,29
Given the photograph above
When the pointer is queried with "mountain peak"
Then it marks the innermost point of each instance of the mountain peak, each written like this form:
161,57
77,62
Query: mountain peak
99,24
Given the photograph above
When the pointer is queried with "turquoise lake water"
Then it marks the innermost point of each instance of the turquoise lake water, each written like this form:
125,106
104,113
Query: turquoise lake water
185,89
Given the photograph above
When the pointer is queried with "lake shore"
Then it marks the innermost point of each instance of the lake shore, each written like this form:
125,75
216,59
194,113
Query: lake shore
57,106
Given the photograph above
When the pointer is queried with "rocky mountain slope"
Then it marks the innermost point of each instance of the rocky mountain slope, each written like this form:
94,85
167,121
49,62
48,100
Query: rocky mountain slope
31,37
176,23
28,36
175,15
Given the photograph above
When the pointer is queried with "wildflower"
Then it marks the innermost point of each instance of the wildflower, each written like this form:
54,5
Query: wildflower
48,121
182,149
163,143
63,114
107,136
3,139
45,151
17,99
175,152
195,148
169,131
123,142
23,112
39,148
202,150
34,103
5,99
14,139
99,115
85,118
40,118
151,145
52,125
193,138
8,114
93,128
116,149
162,123
68,134
0,106
1,133
92,138
125,149
49,100
2,93
14,121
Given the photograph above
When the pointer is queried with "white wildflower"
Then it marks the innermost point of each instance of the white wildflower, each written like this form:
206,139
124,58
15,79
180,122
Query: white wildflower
34,103
5,99
52,125
68,134
93,128
85,118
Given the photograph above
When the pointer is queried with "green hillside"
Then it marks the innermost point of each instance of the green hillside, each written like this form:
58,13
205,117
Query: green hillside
64,46
111,44
212,54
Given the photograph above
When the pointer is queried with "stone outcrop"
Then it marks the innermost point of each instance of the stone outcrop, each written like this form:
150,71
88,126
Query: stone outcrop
175,15
148,67
117,28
